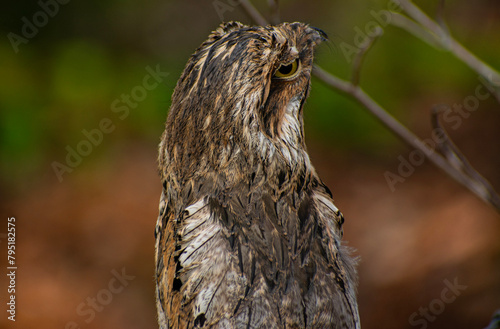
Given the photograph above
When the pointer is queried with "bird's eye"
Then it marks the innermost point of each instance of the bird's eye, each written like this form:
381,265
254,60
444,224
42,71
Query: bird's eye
287,71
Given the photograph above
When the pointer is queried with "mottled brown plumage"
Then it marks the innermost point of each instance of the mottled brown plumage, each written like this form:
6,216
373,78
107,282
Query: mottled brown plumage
248,235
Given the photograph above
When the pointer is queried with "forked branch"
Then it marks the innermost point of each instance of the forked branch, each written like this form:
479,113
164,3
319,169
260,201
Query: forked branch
476,183
437,35
451,161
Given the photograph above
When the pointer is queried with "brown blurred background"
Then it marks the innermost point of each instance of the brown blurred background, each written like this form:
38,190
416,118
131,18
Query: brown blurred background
429,250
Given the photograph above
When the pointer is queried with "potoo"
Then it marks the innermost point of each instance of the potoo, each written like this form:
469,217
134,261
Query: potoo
248,235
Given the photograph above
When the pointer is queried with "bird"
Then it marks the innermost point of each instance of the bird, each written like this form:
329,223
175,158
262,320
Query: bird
248,235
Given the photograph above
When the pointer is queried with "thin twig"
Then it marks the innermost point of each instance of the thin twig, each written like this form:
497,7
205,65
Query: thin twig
455,158
420,17
430,38
440,17
359,95
253,13
414,28
449,150
275,11
358,60
446,41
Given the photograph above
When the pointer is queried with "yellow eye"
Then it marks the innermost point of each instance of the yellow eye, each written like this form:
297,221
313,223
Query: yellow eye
287,71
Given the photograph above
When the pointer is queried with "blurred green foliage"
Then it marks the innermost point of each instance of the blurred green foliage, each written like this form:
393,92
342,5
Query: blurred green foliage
65,78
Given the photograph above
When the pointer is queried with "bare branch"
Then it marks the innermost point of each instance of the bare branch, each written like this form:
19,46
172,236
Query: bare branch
333,81
440,17
477,183
253,12
446,41
455,164
414,28
275,11
420,17
358,60
360,96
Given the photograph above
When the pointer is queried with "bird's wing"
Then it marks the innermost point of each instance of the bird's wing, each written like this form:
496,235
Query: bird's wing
336,265
198,279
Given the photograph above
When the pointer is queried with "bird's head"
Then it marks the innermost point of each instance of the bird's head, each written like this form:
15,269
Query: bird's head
242,92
